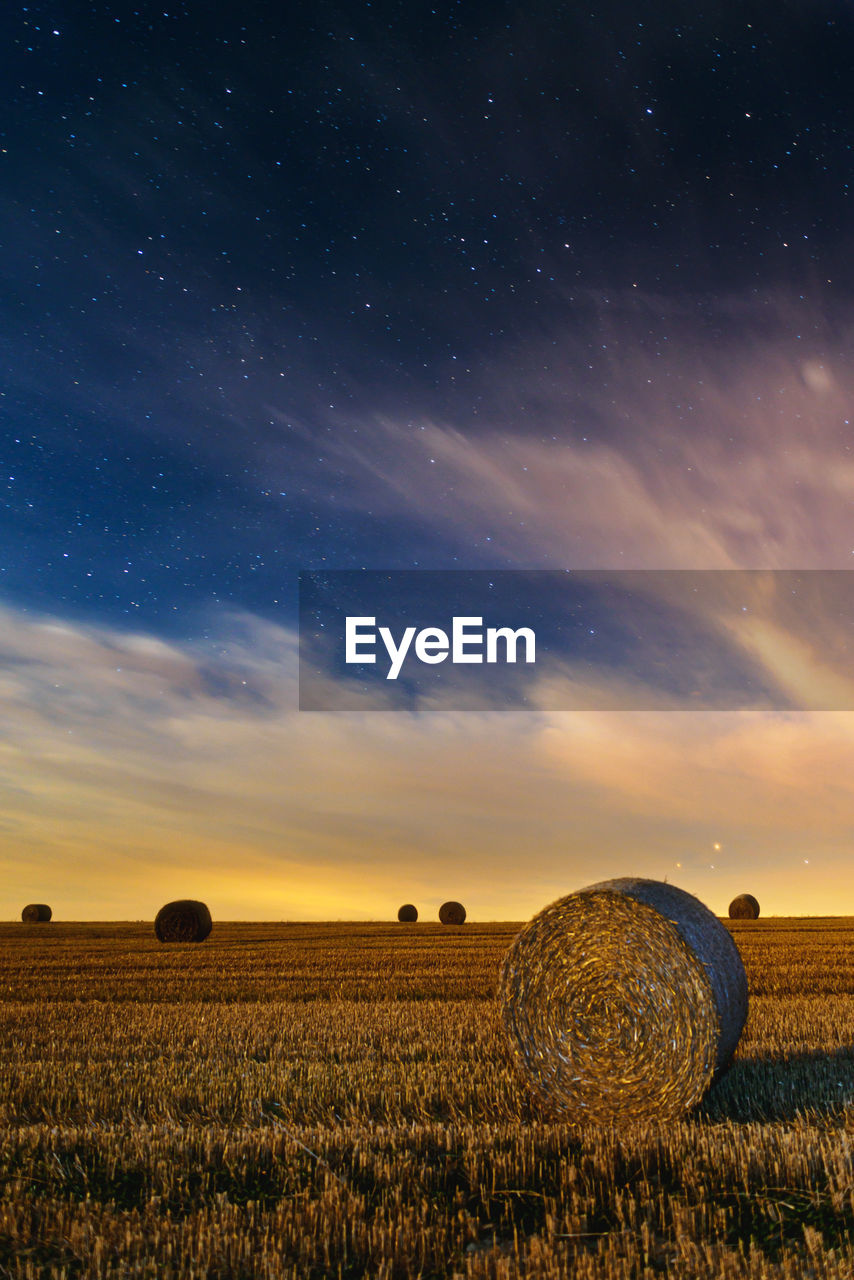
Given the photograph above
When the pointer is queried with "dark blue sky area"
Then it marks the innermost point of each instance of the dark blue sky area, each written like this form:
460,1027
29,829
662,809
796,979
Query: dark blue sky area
237,238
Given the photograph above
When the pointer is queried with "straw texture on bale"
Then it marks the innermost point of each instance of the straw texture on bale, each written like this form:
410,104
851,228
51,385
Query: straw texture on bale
183,921
452,913
622,1001
36,913
407,914
744,907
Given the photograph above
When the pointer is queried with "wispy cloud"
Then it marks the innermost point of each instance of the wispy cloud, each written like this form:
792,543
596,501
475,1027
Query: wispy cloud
134,771
681,449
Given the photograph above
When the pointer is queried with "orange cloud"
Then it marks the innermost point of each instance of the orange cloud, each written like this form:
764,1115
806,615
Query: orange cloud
135,771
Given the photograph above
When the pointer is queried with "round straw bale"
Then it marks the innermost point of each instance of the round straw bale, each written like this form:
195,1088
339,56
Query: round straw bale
183,921
36,913
622,1001
744,907
407,914
452,913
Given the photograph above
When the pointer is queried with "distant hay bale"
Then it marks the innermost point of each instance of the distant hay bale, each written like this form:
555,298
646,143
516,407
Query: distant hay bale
183,921
36,913
407,914
452,913
744,907
622,1001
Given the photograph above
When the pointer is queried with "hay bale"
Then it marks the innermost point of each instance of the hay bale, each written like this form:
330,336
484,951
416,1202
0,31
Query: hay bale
183,921
452,913
407,914
744,907
36,913
622,1001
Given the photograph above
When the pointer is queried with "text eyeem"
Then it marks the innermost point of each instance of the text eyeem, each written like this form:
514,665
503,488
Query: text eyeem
467,643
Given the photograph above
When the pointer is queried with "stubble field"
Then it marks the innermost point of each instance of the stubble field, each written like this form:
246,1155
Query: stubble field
299,1101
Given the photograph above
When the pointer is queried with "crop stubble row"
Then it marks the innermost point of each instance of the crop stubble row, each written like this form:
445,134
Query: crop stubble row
302,1126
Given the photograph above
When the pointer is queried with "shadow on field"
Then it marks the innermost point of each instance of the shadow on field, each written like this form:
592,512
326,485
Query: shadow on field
813,1084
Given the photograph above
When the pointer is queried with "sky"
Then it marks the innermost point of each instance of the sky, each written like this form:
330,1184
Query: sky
386,286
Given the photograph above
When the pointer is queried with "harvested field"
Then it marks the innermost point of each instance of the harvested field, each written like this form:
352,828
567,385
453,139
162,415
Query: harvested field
324,1100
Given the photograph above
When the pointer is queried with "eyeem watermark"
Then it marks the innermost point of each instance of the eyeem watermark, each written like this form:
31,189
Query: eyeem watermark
468,642
633,639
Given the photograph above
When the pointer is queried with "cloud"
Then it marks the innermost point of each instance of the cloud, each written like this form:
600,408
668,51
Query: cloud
135,770
676,448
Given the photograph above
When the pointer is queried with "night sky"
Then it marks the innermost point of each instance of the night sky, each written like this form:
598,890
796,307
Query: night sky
389,286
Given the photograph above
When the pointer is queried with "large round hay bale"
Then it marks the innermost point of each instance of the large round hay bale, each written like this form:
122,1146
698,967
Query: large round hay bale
452,913
183,921
36,913
622,1001
744,907
407,914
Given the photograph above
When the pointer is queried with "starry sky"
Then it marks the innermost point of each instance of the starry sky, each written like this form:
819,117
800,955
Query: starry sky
400,286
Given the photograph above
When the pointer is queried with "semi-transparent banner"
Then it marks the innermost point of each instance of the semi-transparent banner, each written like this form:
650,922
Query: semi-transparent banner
577,640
